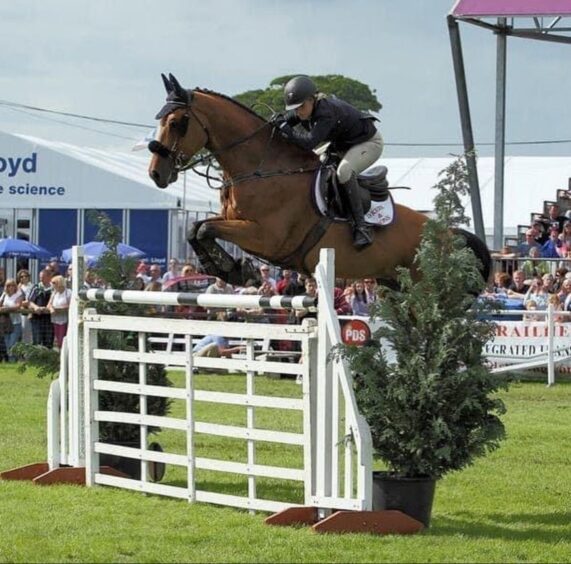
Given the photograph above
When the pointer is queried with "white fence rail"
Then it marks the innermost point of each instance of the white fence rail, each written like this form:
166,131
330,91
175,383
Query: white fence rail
335,441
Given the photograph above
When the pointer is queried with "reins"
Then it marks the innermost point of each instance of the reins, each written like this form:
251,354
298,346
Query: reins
178,157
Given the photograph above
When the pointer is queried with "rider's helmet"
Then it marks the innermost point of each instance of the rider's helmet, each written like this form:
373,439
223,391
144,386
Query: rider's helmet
297,91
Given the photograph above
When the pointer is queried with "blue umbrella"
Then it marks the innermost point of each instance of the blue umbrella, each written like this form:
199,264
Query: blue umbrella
20,248
94,249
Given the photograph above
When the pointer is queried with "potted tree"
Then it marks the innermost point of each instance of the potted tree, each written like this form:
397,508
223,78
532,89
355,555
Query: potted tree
421,382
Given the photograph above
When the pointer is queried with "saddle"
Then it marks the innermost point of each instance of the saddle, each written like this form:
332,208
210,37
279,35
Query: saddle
330,200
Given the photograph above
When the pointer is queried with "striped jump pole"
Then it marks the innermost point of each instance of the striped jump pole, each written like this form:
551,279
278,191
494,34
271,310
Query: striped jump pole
203,300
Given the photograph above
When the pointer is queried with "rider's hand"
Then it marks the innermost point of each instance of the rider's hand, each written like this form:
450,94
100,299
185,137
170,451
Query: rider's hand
290,116
277,119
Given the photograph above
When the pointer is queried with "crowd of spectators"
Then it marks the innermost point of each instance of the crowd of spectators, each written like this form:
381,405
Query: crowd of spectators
350,298
548,237
33,313
38,313
535,292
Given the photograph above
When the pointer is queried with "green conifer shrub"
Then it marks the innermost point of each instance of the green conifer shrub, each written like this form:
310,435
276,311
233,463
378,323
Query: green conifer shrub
421,382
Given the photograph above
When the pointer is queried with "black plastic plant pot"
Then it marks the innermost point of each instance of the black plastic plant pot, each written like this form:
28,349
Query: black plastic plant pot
413,496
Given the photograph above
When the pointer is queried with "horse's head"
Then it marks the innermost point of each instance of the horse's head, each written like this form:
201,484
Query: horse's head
180,136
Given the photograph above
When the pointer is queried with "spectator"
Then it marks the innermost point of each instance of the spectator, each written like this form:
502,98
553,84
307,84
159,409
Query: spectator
559,278
173,271
311,292
340,304
155,275
69,276
531,305
264,314
529,243
54,266
58,307
42,328
216,346
10,304
249,288
556,305
265,275
137,284
219,287
143,271
153,286
371,288
154,310
25,286
565,235
89,279
188,270
564,291
501,283
518,287
288,285
540,232
356,296
551,248
554,217
533,267
549,283
536,294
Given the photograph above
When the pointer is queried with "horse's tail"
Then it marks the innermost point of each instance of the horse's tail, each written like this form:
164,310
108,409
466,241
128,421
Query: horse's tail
480,249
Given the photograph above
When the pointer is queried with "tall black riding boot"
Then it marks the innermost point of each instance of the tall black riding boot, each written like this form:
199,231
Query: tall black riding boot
362,233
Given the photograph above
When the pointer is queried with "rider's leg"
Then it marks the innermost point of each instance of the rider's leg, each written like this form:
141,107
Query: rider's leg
355,161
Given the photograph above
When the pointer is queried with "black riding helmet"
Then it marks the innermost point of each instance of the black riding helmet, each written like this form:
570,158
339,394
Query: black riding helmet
297,91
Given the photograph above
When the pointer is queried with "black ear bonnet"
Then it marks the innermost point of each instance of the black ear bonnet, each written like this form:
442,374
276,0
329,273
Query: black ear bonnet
177,96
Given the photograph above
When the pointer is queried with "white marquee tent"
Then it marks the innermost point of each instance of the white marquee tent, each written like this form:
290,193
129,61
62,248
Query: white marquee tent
88,178
98,178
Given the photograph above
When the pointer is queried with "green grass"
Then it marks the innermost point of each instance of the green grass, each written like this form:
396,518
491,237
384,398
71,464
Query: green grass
513,505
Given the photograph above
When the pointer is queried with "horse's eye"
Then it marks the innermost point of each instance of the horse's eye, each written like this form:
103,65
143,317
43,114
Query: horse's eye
173,124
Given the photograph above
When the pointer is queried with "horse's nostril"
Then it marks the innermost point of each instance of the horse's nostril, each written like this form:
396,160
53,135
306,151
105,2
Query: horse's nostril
155,175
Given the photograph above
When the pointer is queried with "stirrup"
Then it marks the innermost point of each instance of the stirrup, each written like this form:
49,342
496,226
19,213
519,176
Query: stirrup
362,237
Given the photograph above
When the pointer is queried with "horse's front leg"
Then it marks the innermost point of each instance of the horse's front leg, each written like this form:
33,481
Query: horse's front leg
241,232
213,257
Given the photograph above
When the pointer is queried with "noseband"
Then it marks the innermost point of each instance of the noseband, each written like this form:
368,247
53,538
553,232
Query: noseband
180,160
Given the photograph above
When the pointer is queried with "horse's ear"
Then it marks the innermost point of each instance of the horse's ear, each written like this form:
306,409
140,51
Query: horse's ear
178,89
166,82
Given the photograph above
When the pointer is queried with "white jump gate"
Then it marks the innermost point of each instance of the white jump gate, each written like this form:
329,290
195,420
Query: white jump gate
335,439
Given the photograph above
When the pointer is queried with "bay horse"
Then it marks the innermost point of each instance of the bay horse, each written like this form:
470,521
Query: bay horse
266,203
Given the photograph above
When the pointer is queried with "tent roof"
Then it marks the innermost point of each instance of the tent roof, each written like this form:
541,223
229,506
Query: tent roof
95,177
511,8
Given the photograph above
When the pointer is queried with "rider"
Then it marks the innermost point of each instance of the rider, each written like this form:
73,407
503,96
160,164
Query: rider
352,134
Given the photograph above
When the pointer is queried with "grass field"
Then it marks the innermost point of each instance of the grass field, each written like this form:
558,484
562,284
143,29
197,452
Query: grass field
512,506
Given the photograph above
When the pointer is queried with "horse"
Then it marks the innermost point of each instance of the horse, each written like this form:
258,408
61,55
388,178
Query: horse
267,208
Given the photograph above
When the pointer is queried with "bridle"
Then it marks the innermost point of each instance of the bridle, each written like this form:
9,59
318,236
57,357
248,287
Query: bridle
182,162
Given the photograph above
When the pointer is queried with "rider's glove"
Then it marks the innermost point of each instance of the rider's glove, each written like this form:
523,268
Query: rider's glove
277,120
290,117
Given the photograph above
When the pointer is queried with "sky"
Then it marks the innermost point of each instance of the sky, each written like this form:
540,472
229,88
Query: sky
104,58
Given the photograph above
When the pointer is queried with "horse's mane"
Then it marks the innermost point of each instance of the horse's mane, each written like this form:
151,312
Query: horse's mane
292,149
230,99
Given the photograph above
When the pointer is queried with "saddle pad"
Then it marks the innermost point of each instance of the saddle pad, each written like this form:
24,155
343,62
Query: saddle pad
380,214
